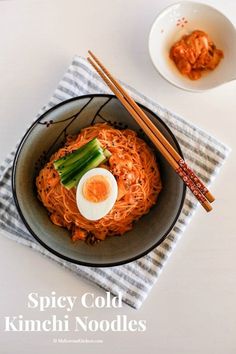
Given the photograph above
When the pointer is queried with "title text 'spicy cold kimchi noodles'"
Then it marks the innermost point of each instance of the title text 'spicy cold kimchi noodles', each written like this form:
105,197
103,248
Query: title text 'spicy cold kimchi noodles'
135,168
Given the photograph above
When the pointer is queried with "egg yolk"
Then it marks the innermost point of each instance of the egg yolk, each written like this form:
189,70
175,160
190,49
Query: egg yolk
96,189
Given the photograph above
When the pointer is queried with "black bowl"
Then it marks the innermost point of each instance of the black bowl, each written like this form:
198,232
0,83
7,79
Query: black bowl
44,137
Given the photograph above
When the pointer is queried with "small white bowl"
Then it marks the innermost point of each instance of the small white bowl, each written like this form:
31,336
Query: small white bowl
183,18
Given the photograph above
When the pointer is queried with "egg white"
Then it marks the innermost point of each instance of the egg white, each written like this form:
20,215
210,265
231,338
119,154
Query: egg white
91,210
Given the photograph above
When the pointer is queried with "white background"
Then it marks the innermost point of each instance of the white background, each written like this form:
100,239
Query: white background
192,307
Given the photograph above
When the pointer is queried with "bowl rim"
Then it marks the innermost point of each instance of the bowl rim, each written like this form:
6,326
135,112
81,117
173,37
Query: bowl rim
160,13
42,243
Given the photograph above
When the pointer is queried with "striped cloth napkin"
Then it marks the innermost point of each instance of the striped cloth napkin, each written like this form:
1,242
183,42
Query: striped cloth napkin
133,280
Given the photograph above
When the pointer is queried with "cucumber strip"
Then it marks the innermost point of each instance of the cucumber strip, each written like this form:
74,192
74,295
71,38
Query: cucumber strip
96,161
74,165
77,154
78,167
107,153
81,156
64,170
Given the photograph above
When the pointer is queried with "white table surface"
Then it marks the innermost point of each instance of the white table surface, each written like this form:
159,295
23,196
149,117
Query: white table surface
192,307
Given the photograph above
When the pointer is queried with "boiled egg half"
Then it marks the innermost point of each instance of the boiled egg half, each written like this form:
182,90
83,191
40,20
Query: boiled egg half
96,193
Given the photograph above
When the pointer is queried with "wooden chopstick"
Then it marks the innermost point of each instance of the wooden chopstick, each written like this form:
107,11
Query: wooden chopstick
154,135
159,135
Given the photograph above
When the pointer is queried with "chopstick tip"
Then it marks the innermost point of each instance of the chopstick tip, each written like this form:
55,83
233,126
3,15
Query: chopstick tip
210,197
207,206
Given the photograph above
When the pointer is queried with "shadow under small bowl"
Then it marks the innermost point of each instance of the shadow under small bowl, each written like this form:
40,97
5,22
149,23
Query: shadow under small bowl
180,19
44,137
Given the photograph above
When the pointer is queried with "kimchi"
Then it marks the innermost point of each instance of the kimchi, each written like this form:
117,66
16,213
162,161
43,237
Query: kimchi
194,54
